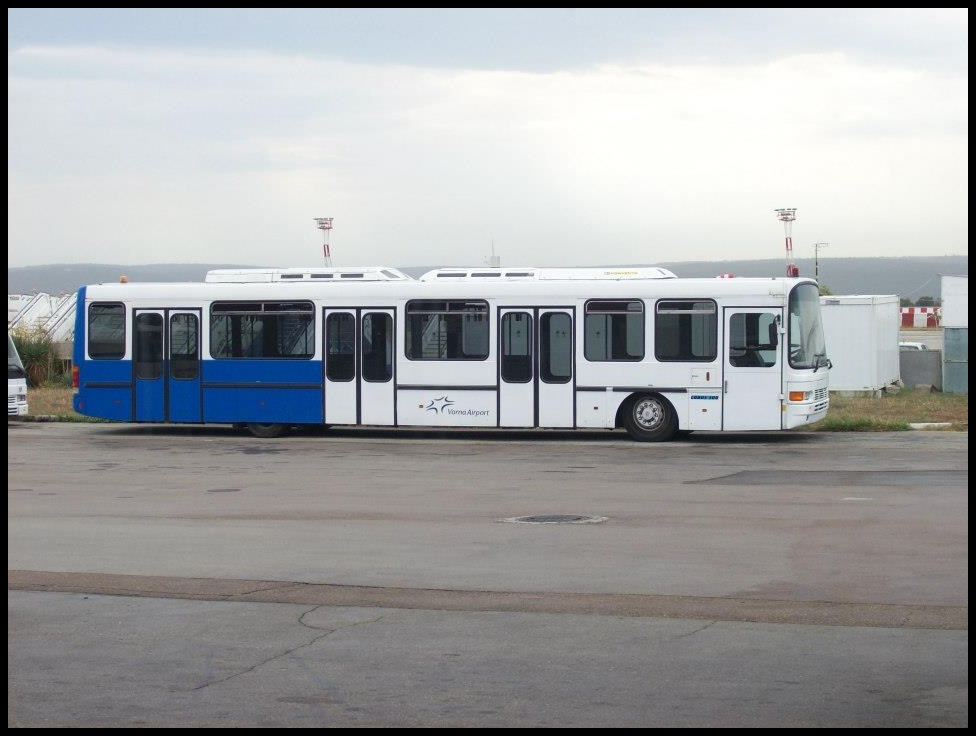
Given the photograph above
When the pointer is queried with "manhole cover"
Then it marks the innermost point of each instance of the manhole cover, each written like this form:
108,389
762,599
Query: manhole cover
556,519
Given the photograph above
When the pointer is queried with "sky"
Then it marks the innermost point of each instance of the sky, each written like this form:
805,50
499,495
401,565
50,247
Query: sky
451,137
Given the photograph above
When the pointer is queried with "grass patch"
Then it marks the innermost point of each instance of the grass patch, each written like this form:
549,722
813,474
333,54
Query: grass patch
894,411
860,424
53,402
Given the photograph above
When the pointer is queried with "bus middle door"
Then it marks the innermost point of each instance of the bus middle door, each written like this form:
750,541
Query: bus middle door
536,368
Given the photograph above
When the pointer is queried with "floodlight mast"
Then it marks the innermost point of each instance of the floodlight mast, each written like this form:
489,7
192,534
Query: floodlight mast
325,225
787,215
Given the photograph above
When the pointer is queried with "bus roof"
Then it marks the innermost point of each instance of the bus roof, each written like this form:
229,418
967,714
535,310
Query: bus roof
438,284
551,274
386,273
267,275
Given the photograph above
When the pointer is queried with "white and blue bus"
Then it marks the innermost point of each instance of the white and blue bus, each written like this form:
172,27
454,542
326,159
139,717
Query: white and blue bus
559,348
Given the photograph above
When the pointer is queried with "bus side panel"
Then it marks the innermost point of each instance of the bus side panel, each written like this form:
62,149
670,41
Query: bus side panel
597,408
448,373
262,404
265,391
447,407
105,389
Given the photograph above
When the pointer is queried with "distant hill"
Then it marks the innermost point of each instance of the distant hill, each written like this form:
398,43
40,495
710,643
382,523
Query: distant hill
909,278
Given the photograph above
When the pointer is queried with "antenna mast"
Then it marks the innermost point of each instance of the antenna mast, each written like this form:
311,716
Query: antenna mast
787,215
816,259
325,225
493,260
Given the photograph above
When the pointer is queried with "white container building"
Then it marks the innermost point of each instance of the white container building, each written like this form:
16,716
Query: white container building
862,341
955,334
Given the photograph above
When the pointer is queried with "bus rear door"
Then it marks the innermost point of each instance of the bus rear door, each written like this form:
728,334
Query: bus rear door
359,366
166,365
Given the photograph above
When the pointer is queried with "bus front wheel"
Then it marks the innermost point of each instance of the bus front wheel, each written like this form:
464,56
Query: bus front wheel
267,431
650,418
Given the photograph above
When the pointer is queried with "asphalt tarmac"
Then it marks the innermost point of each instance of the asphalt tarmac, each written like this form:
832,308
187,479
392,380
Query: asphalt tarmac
166,576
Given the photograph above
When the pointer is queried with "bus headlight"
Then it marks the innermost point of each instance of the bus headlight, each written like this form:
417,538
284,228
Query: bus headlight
800,396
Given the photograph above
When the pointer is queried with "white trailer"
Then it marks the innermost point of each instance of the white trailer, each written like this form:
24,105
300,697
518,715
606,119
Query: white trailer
862,340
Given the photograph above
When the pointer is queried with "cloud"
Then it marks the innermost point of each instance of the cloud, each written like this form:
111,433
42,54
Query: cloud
128,154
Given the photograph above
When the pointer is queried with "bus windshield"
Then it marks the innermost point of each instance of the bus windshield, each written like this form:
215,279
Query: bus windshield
808,348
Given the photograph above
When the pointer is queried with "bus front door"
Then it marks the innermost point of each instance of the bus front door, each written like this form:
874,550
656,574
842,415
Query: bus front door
536,368
166,365
753,366
359,366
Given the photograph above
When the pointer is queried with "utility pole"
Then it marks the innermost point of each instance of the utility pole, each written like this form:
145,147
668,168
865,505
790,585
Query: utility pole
816,259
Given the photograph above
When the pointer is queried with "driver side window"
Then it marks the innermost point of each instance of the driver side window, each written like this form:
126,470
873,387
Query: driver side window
753,339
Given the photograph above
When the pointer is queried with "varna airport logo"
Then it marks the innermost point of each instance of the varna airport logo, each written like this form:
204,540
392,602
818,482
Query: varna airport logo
445,405
439,406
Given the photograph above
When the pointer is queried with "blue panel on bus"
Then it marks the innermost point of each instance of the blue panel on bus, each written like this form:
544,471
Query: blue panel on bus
266,391
267,405
184,400
105,403
105,371
262,371
105,390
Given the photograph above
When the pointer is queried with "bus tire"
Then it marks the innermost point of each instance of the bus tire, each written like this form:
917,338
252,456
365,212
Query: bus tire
650,418
267,431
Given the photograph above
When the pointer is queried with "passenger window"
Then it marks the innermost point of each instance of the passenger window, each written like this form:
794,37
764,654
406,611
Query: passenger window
447,330
106,331
614,330
686,330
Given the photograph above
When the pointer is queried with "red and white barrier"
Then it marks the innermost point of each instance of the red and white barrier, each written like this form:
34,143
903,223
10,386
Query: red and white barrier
921,316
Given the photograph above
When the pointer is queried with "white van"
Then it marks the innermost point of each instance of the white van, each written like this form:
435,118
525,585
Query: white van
16,382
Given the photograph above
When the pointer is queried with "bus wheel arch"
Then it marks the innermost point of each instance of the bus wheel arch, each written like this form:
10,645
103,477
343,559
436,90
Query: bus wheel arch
267,431
649,418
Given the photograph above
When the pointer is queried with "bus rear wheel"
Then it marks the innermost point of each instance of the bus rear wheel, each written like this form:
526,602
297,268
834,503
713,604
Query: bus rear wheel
650,418
267,431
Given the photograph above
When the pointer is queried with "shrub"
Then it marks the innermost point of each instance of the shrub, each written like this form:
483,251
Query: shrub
37,353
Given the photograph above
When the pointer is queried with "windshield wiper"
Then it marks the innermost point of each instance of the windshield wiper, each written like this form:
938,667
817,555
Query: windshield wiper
820,360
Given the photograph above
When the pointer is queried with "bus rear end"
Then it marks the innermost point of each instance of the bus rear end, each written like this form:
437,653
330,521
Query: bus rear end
101,368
